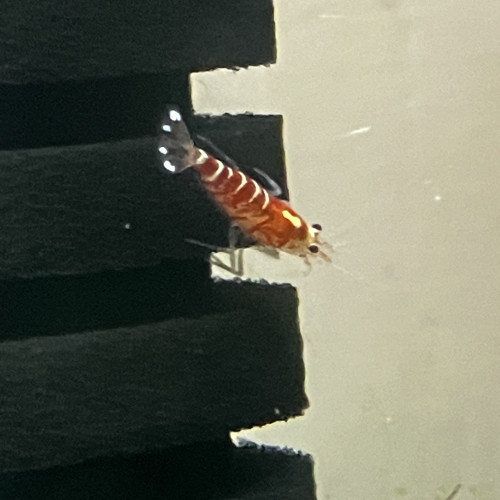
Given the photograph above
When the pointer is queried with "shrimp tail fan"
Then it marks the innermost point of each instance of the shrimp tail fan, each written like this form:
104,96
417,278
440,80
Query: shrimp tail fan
176,148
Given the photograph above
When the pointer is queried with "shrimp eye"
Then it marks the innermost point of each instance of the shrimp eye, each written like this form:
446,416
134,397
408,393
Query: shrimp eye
317,226
314,248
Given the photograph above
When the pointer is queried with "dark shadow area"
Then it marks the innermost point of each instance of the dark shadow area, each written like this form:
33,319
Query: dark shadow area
110,299
61,40
203,471
87,111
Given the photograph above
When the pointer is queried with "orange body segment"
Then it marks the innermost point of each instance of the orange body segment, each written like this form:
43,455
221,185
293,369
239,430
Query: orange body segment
267,219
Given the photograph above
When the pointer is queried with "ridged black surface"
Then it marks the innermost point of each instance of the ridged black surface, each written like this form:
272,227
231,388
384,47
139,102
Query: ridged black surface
67,397
207,470
87,111
123,367
69,39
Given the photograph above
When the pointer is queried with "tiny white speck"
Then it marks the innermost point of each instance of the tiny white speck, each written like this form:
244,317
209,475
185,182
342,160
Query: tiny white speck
437,198
163,150
277,411
361,130
127,225
356,131
166,128
169,166
331,16
388,420
175,116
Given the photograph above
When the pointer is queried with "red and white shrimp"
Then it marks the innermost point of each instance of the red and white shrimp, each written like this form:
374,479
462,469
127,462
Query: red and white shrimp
268,220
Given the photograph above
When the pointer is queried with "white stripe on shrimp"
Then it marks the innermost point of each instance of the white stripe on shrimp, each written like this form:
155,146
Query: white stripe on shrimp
202,157
242,183
258,190
266,196
220,168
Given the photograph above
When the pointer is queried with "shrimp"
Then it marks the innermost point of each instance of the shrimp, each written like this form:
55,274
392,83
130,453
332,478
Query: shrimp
270,221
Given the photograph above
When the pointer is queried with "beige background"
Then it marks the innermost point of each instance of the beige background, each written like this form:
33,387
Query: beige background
392,140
